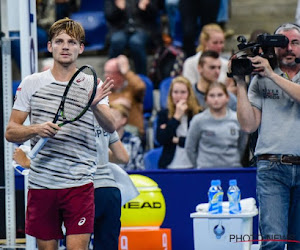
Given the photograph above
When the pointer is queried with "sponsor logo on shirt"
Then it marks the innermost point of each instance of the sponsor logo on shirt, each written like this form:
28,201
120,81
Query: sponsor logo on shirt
81,79
270,93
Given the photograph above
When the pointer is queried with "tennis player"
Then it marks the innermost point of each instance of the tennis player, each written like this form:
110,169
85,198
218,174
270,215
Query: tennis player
61,177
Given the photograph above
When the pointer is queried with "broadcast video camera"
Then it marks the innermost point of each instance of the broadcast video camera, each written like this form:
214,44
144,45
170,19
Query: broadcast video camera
263,46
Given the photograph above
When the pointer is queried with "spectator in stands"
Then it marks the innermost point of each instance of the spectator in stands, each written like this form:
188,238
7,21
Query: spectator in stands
297,14
214,138
223,17
131,25
211,38
46,16
191,11
209,68
49,11
129,90
173,123
132,143
64,8
171,7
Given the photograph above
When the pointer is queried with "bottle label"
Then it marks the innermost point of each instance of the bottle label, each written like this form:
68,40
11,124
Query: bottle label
215,204
234,202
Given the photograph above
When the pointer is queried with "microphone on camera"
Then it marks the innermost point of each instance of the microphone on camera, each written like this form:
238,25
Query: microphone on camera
297,60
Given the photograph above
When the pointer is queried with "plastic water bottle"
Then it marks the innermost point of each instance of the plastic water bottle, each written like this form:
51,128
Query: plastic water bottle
215,197
234,197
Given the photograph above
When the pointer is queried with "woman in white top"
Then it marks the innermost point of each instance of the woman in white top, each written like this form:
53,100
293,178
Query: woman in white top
211,38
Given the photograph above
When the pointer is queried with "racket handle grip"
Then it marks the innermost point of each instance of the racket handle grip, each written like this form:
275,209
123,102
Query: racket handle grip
37,147
21,170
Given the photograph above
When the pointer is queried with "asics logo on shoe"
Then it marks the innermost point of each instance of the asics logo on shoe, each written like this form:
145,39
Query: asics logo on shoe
82,221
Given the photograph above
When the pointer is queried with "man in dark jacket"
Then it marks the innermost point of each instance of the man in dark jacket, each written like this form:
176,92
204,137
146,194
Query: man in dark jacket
131,25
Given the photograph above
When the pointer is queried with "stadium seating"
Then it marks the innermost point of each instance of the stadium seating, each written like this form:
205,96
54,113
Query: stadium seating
94,24
151,158
148,108
154,126
91,5
148,98
177,39
164,91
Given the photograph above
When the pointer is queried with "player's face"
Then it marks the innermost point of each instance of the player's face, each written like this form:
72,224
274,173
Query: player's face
216,99
179,92
287,55
210,70
215,42
65,49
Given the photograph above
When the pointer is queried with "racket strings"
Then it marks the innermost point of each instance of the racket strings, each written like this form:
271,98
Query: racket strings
78,96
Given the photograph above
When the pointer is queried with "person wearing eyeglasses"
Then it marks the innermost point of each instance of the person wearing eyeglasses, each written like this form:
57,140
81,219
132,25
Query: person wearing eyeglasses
272,105
209,69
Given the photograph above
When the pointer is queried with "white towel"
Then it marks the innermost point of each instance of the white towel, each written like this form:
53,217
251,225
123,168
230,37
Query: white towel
127,188
247,205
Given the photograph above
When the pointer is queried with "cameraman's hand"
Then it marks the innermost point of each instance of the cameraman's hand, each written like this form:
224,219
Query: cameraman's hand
238,79
261,66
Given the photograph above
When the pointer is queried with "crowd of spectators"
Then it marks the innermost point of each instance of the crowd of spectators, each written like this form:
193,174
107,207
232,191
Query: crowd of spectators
130,35
200,126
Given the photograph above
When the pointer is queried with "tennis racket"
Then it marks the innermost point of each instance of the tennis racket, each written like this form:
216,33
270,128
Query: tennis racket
76,100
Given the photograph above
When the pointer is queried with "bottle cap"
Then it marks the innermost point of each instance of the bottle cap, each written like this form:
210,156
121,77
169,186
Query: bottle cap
232,182
215,182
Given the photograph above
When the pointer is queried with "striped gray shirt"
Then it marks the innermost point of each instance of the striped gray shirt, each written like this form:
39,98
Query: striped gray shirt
68,159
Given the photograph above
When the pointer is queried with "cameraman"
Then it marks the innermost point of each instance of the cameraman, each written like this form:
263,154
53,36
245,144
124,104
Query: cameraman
272,105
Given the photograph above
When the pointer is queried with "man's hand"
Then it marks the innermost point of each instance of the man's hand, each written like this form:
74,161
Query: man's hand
239,79
143,4
261,66
121,4
103,91
47,129
123,64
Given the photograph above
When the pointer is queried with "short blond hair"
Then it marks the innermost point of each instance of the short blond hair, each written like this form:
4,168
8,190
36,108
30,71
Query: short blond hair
71,27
